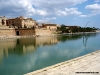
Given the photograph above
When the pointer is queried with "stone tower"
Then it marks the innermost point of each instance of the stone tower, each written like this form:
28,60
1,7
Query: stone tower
3,21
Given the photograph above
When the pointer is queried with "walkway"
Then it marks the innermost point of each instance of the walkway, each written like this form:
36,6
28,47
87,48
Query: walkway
85,65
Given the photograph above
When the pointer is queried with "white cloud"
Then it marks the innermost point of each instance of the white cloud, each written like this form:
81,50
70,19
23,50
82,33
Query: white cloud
89,15
41,12
68,11
94,8
36,7
19,7
57,3
83,15
97,0
60,13
46,20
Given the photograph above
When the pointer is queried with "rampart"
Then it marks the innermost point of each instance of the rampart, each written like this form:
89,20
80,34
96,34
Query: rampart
24,32
7,32
43,32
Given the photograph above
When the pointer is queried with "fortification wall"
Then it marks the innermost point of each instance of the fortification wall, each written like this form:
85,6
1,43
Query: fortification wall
43,32
24,32
7,32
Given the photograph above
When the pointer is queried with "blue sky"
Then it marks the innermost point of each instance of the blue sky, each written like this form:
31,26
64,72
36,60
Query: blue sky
68,12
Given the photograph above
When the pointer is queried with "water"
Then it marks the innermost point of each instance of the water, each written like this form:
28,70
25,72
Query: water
20,56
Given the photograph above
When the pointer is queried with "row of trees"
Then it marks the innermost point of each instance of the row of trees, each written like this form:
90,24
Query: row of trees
63,29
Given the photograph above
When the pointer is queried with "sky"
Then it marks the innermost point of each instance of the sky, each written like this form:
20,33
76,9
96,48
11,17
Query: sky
68,12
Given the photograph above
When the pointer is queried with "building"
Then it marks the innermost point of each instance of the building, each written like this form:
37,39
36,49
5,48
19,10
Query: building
68,27
21,22
50,26
21,26
3,21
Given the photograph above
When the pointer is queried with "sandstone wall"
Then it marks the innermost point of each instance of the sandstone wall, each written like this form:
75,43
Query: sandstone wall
43,32
25,32
7,32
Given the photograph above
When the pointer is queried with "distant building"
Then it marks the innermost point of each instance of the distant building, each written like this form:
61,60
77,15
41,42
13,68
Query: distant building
3,21
50,26
21,22
68,27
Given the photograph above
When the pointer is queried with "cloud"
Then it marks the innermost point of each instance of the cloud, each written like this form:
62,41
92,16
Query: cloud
35,7
89,15
97,0
46,19
83,15
94,8
56,3
19,7
68,11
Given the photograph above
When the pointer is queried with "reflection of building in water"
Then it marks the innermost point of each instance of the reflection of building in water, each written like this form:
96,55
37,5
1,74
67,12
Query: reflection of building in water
28,49
46,40
24,45
5,45
27,44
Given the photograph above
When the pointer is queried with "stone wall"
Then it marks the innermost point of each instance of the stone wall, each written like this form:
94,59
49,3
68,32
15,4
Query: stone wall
24,32
43,32
7,32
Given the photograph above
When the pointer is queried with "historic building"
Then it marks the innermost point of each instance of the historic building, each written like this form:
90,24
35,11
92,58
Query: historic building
50,26
3,21
68,27
21,22
21,26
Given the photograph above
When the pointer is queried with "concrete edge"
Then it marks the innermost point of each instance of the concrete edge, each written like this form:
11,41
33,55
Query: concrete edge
59,64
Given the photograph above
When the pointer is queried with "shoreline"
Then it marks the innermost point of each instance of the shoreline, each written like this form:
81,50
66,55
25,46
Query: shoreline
29,36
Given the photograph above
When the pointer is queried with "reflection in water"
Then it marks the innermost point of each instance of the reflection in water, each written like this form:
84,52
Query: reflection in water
29,54
27,45
85,38
5,45
24,45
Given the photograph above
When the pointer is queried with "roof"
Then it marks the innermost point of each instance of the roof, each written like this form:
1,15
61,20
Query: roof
50,24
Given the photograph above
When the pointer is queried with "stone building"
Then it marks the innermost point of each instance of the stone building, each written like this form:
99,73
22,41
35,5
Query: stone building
68,27
3,21
21,22
50,26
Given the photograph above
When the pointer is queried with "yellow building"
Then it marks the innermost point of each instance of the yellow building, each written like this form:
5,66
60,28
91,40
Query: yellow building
3,21
21,22
50,26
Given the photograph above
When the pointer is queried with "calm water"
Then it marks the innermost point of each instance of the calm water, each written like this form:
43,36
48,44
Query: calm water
20,56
